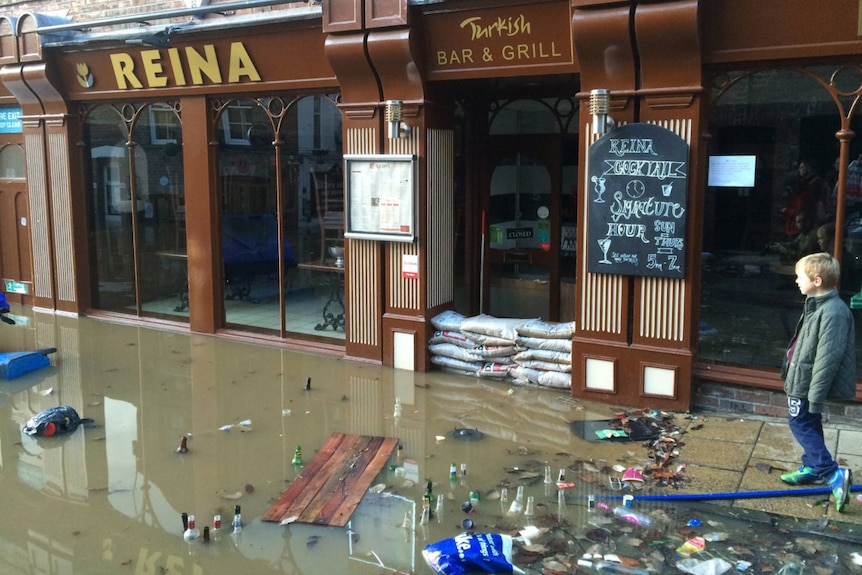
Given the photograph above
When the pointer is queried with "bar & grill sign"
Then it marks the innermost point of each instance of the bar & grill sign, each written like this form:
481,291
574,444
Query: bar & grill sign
637,202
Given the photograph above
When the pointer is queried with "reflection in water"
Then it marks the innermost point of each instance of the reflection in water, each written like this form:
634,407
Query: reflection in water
109,497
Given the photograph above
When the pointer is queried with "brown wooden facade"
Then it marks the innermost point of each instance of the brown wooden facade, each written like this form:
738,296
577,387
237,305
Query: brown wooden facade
636,336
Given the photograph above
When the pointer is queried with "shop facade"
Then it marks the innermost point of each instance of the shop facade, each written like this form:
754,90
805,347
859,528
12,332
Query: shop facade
191,174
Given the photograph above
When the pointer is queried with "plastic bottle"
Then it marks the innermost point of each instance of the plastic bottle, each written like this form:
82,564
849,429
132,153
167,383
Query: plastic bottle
397,411
632,516
453,470
608,567
191,533
439,510
548,478
297,456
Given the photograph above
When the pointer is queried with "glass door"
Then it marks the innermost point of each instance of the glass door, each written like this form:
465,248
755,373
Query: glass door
520,261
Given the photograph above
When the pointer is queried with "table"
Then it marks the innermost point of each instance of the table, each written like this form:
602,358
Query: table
176,258
334,278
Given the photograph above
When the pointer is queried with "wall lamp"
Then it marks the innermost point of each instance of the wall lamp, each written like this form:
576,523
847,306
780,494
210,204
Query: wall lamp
395,128
600,102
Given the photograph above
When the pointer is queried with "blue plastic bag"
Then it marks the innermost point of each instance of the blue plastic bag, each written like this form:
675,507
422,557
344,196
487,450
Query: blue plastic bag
471,553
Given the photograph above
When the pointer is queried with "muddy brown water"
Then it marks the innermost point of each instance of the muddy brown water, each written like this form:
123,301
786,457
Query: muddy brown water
109,497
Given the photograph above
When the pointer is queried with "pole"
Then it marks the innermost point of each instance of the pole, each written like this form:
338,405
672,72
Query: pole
482,267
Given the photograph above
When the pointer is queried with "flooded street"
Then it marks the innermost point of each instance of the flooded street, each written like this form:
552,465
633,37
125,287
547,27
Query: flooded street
109,497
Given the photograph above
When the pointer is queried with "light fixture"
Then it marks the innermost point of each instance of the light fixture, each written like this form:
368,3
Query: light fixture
600,101
395,128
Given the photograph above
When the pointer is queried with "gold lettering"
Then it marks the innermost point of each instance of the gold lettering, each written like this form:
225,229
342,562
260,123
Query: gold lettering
183,66
124,71
200,66
501,27
153,68
464,57
241,64
177,67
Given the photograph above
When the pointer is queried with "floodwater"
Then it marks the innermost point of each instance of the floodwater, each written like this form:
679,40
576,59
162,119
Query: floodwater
108,498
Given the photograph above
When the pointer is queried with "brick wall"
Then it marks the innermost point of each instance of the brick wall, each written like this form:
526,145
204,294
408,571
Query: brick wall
88,10
725,398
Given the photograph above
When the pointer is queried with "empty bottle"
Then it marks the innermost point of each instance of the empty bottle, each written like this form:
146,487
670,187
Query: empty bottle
517,506
632,516
191,533
608,567
237,519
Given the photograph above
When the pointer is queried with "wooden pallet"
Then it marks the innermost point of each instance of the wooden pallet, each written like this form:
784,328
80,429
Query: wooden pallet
334,481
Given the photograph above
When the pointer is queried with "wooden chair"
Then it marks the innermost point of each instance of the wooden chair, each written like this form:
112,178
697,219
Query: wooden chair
329,198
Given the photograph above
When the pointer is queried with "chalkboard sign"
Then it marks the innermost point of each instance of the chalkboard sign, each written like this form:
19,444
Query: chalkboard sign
637,202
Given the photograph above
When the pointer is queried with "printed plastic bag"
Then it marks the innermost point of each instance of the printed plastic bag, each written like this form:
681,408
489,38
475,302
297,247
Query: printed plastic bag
470,553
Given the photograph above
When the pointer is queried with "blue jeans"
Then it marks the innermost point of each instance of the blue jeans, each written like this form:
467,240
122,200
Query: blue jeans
807,428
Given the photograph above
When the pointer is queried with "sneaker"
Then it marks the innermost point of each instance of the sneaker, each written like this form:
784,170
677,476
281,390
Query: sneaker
840,484
802,476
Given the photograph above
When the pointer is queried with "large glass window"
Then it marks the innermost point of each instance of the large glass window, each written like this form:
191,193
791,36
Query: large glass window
136,209
279,165
771,197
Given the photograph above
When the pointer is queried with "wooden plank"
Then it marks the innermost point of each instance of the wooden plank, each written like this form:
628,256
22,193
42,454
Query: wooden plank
334,482
372,470
349,482
322,481
333,485
278,510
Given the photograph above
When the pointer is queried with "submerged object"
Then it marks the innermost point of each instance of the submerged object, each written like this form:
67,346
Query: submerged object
466,434
54,421
16,363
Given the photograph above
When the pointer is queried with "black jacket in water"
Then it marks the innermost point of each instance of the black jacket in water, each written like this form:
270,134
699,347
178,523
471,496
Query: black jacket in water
54,421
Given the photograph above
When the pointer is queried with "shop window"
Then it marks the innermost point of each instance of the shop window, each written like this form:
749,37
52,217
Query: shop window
12,162
237,122
771,187
136,210
295,287
163,124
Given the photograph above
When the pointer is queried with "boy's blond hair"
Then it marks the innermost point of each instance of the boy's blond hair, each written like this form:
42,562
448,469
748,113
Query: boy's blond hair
821,265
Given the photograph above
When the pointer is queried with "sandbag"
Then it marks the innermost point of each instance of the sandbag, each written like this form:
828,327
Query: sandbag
500,327
561,345
448,320
547,329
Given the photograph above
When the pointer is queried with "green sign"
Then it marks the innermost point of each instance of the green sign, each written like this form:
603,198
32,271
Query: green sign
13,286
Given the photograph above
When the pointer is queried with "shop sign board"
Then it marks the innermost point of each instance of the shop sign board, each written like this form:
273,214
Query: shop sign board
499,37
637,196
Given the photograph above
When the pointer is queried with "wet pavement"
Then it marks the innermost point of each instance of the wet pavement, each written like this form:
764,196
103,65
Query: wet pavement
109,497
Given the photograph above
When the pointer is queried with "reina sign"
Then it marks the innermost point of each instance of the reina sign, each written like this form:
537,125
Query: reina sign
188,66
498,38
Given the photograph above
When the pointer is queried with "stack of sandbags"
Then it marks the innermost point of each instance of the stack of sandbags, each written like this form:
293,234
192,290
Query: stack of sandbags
496,338
482,345
546,356
450,349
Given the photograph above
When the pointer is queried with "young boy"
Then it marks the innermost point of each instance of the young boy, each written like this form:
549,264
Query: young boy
820,362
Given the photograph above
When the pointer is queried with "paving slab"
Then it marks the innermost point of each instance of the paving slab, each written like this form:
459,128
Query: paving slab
776,442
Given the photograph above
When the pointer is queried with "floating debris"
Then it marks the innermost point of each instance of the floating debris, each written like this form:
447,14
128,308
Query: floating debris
230,496
466,434
184,446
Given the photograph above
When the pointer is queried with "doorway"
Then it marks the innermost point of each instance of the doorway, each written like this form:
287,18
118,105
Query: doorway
528,223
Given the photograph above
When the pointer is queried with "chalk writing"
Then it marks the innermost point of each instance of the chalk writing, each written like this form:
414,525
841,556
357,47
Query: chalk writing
640,229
